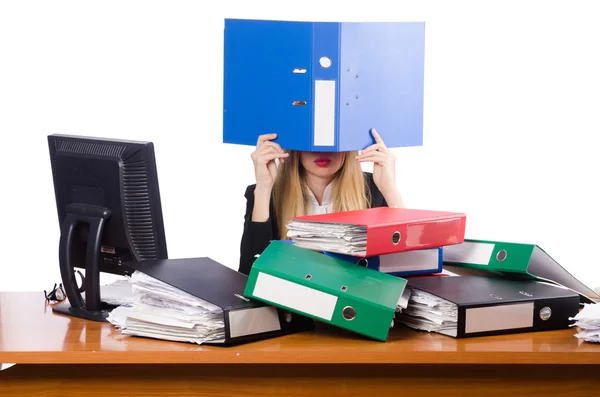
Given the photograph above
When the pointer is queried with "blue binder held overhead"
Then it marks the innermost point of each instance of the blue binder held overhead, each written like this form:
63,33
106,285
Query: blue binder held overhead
322,86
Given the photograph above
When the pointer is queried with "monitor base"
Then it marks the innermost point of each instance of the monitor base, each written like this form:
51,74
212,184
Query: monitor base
98,316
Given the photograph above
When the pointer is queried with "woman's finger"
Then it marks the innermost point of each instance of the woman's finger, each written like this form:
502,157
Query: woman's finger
267,149
377,137
264,138
265,158
373,147
271,151
376,157
271,144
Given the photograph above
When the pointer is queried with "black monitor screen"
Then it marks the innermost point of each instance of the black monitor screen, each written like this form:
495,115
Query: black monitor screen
107,198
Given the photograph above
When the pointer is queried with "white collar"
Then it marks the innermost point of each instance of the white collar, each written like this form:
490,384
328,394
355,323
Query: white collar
326,205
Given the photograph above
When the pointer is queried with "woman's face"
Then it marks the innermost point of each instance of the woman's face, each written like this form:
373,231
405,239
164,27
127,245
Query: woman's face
322,164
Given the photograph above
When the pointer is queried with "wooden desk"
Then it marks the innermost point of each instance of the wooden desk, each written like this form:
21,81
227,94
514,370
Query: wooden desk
77,357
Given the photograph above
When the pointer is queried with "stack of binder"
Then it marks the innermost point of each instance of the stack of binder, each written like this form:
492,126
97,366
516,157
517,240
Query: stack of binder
397,241
317,274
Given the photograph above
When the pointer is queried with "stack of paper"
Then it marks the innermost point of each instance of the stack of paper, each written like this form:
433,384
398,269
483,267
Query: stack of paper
118,293
161,311
588,322
430,313
330,237
402,304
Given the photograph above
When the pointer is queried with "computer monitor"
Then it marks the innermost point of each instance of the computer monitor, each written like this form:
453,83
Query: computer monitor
109,212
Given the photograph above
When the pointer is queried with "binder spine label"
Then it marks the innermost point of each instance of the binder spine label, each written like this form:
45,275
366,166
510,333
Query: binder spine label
325,66
411,261
468,252
253,321
498,318
294,296
324,117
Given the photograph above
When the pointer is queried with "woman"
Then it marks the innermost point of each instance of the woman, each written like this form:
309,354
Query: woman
307,183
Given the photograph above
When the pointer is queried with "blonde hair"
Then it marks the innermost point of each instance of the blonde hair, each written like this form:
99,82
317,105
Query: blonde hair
291,196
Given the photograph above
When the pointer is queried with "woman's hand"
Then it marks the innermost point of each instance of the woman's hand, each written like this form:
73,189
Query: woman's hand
384,170
265,169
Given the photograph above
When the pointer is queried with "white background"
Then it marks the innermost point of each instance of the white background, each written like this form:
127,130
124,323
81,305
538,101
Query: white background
512,99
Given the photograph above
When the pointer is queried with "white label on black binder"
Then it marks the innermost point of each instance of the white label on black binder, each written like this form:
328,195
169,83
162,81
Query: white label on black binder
257,320
501,317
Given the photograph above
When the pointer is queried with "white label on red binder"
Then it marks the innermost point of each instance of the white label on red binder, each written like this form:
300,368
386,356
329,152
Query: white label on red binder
295,296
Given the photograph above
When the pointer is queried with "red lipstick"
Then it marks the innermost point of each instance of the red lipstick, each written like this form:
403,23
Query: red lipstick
322,161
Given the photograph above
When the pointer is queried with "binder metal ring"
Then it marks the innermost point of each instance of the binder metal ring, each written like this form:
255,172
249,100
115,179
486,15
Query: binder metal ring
501,255
308,277
349,313
364,262
396,238
325,62
545,313
344,288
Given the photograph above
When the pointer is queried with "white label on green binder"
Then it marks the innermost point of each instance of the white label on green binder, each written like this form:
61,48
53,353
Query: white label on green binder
324,117
295,296
469,252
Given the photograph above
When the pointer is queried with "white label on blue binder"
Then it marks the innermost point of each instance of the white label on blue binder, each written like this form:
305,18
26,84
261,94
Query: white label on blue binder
324,121
469,252
295,296
422,259
253,321
501,317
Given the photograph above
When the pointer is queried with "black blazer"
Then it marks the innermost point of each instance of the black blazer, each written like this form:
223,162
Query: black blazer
257,235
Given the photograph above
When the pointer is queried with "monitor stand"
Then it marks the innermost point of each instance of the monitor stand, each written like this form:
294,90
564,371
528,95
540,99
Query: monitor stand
92,308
